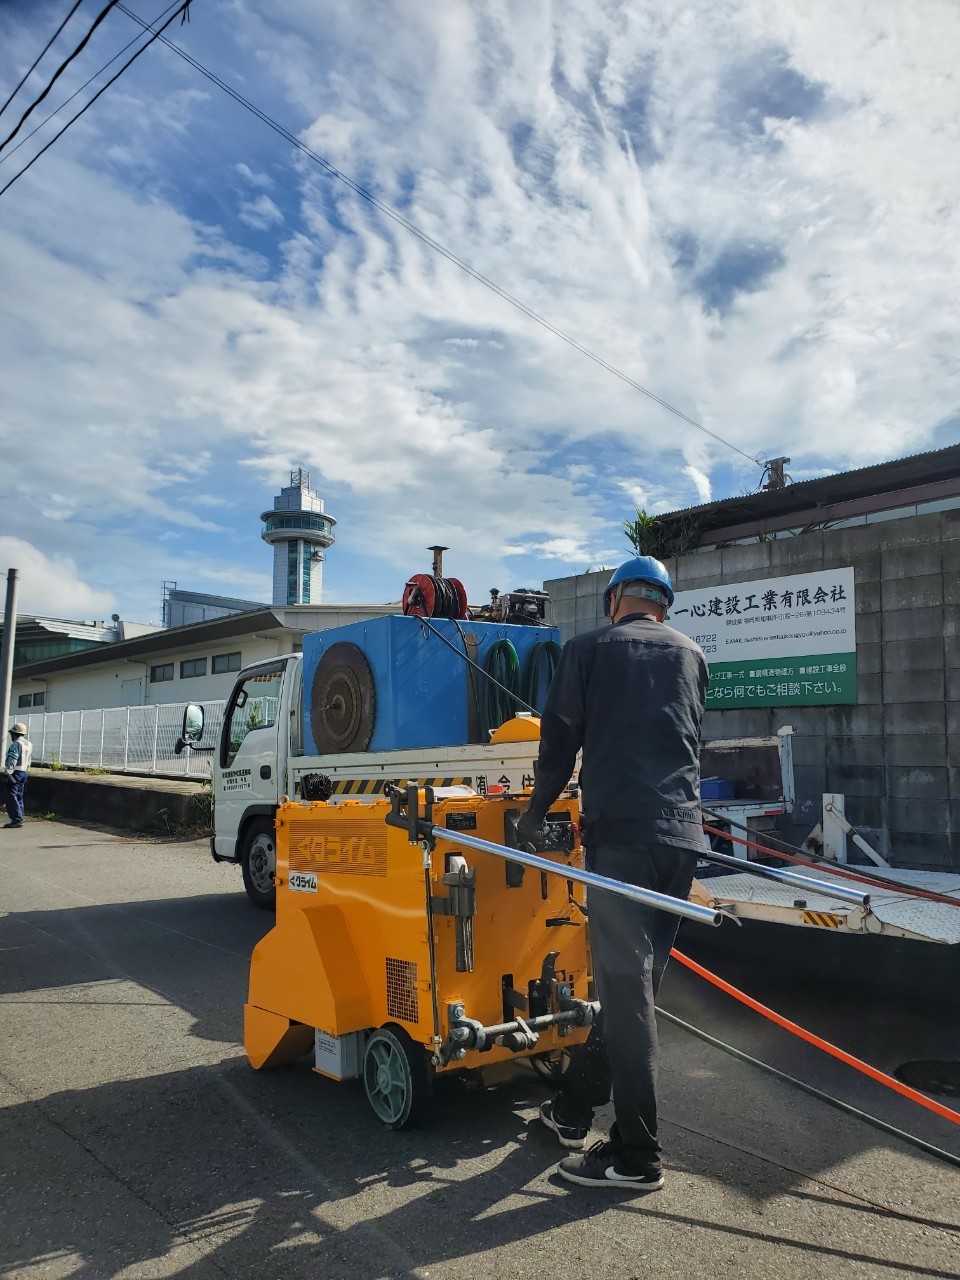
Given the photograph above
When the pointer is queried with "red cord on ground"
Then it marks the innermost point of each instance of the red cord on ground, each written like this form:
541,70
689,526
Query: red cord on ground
857,1063
909,890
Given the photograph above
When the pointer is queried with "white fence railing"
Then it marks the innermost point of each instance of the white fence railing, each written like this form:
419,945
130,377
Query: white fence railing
123,739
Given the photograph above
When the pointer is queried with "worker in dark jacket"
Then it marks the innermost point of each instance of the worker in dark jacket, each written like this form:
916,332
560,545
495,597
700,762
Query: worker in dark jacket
631,695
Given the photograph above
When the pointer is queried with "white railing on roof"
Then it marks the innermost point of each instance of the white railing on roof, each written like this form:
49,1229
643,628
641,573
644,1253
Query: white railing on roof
123,739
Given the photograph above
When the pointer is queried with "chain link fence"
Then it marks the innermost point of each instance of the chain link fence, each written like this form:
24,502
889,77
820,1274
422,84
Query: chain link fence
123,739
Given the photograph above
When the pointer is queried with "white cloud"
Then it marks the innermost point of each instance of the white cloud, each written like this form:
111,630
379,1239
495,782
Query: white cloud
260,213
51,585
249,175
701,482
620,170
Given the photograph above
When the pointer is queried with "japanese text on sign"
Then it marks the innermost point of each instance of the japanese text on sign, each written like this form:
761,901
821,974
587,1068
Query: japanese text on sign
779,641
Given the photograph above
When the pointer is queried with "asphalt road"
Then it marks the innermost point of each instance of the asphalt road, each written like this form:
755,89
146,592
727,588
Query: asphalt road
137,1142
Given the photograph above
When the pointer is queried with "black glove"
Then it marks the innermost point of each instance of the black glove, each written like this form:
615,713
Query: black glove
530,832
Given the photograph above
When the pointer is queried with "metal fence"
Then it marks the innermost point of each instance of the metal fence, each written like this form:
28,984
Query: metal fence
123,739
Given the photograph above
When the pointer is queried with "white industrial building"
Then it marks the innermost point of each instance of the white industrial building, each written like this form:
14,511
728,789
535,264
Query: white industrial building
176,665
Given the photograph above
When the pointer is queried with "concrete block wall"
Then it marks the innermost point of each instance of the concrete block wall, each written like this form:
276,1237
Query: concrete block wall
896,755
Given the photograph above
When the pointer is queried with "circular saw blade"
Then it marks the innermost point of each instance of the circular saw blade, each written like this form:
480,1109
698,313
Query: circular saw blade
342,700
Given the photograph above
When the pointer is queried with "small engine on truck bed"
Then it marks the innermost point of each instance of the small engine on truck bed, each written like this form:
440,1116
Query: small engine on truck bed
393,962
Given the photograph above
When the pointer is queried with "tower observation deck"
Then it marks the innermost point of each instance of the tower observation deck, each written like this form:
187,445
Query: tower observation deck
299,530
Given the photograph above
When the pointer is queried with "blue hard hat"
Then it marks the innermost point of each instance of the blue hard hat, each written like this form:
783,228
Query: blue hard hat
641,569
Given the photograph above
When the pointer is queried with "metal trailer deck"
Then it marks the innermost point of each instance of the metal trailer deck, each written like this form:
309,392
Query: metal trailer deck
895,914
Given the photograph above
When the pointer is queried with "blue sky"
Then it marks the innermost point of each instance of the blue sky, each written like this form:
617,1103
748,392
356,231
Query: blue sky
750,209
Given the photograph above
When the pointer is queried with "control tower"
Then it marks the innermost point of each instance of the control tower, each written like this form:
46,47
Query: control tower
299,532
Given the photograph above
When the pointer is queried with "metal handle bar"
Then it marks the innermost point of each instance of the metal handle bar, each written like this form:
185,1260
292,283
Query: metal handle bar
812,883
648,897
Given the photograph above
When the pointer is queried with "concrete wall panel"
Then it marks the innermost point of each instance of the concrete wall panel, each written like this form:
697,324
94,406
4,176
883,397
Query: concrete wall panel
911,624
896,755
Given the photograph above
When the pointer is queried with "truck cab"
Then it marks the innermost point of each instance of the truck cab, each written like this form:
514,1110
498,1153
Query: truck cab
262,728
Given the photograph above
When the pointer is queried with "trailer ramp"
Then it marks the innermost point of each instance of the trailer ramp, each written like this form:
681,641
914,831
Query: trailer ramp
891,911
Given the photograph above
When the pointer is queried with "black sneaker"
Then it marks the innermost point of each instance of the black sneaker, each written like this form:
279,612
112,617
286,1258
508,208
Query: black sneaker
14,826
596,1169
573,1137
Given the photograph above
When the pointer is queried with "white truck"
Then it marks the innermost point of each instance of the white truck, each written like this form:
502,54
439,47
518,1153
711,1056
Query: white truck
260,758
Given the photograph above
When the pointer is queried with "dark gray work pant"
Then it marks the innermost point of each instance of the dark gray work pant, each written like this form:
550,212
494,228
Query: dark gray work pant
630,944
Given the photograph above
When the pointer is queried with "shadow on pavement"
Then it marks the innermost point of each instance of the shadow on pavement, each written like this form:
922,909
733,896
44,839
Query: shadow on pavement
272,1162
284,1174
194,951
288,1167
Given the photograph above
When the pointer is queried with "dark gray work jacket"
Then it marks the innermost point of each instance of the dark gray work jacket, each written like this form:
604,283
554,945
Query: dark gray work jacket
631,696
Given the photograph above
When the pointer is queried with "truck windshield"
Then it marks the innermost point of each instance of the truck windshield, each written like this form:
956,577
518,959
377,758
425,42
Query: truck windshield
253,706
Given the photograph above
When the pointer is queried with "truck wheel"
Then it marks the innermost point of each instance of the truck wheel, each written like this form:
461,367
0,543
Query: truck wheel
396,1077
259,863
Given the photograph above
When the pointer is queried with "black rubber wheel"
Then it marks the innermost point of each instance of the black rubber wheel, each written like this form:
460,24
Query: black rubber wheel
550,1067
258,860
396,1077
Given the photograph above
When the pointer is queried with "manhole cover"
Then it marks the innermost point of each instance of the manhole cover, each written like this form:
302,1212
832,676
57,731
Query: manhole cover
931,1077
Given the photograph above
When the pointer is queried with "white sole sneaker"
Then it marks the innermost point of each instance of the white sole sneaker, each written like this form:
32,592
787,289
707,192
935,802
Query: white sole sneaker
613,1181
571,1144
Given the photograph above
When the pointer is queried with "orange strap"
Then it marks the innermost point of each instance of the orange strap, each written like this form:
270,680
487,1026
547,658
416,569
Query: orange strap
878,883
938,1108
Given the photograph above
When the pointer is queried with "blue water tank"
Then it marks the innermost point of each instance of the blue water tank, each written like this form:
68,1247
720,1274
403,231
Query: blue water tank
423,693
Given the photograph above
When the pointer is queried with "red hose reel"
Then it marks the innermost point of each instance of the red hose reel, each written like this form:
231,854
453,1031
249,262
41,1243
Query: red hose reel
428,596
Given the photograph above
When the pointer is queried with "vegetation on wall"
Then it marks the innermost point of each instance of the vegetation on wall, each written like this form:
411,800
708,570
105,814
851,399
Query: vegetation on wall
661,536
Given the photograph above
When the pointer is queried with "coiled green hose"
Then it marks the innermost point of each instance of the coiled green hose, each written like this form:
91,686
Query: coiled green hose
539,671
502,663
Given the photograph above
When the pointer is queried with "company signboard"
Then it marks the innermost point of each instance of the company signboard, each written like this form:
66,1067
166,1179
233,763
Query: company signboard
777,642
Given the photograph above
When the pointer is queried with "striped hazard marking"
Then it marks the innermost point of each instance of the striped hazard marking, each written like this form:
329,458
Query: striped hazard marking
374,786
822,919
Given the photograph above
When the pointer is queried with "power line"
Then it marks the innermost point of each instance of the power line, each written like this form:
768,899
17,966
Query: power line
59,71
96,76
428,240
156,35
33,67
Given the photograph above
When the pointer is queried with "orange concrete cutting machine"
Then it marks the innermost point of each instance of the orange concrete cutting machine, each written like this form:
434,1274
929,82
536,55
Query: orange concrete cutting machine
413,938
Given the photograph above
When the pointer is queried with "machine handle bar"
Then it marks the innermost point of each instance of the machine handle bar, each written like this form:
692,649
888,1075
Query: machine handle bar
811,883
648,897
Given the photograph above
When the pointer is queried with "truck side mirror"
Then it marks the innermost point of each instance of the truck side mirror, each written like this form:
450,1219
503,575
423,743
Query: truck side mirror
192,729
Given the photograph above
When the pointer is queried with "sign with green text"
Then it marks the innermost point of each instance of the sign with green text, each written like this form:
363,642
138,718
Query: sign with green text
777,642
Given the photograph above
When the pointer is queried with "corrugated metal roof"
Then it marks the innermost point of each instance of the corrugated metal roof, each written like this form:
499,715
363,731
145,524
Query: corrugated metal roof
30,627
880,477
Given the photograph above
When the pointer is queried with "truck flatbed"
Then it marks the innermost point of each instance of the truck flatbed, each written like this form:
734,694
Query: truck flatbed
891,912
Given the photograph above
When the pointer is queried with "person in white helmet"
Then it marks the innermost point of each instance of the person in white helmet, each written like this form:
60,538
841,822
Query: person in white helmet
16,768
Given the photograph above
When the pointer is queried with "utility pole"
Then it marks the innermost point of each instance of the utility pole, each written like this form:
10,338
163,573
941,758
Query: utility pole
6,650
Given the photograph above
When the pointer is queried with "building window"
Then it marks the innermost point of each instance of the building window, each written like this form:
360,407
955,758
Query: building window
296,520
223,662
162,672
25,700
305,593
293,573
193,667
40,699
